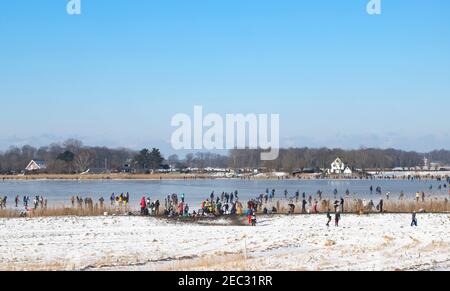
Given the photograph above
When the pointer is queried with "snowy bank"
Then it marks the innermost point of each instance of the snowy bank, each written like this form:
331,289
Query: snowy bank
375,242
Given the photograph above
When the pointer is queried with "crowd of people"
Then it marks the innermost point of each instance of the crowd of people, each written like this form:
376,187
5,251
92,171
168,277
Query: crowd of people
38,202
175,205
229,203
121,200
148,207
269,203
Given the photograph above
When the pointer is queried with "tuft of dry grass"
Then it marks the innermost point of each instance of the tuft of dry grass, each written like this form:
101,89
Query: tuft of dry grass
223,262
54,266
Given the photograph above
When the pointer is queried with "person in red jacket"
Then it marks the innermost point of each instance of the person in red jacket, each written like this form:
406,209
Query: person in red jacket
143,205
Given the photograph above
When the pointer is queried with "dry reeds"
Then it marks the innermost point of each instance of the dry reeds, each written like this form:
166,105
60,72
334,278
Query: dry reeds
358,206
63,211
230,261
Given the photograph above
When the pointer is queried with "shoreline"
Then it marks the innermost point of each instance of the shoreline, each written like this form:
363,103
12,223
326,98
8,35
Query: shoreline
193,177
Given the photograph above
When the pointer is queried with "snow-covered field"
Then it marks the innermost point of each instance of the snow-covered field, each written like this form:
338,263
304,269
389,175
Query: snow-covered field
376,242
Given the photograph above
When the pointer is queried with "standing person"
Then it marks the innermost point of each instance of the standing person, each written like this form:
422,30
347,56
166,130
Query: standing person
304,205
336,205
414,219
315,206
72,201
291,208
253,218
371,189
236,195
285,194
157,207
112,199
328,217
17,200
143,205
212,196
101,200
342,204
337,217
182,197
380,206
36,202
186,211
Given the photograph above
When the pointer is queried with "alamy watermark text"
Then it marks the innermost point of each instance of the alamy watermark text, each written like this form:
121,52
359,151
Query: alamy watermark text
235,131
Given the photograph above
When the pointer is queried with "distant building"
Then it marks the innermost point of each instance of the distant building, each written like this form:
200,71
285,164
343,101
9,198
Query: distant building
426,164
337,167
348,171
128,168
36,165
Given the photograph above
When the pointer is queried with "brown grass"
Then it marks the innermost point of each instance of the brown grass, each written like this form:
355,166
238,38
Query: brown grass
55,266
354,206
433,205
64,211
236,262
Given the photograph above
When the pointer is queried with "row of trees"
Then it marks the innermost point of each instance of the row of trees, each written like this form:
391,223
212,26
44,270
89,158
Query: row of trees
364,158
73,157
69,157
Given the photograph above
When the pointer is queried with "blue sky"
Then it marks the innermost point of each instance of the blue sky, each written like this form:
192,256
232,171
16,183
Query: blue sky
116,74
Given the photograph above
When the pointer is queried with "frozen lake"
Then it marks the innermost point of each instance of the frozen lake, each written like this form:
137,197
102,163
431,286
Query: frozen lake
58,192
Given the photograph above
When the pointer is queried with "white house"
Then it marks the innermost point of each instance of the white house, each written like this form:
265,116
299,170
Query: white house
337,167
36,165
348,171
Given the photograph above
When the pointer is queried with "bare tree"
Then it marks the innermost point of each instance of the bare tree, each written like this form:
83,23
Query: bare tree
83,160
